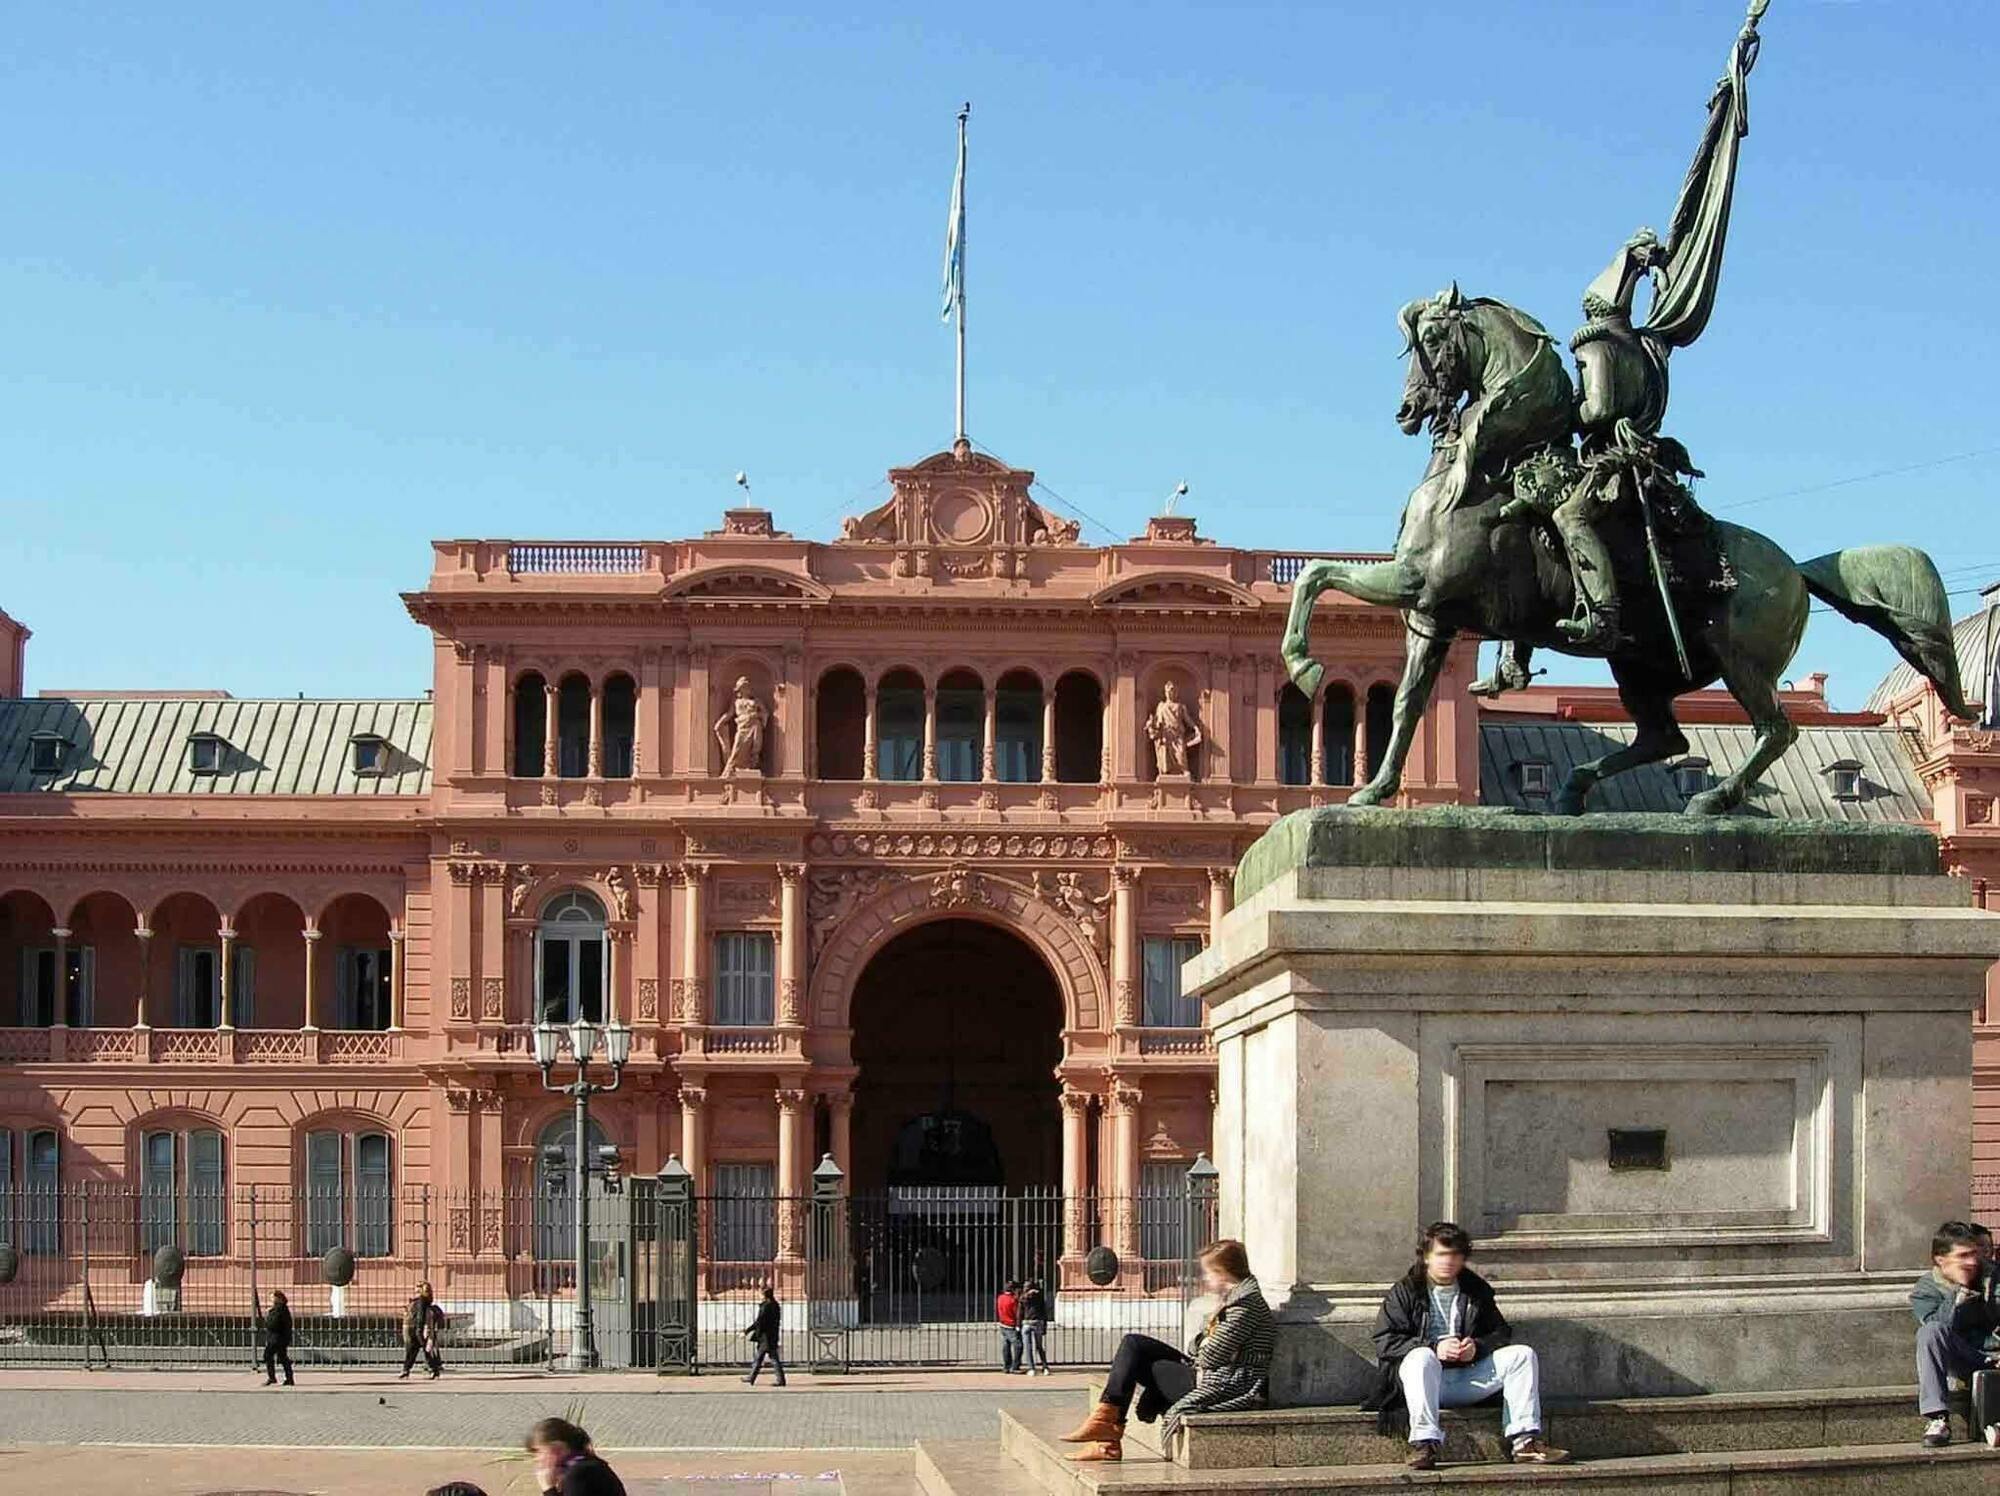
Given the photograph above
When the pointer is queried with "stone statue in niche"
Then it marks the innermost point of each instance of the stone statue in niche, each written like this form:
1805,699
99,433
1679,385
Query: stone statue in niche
1175,732
740,732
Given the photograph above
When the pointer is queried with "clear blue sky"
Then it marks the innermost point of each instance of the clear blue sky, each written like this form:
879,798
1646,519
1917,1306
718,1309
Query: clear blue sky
289,290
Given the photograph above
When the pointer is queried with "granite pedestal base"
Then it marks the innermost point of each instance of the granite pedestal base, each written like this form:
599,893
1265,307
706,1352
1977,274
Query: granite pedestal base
1700,1089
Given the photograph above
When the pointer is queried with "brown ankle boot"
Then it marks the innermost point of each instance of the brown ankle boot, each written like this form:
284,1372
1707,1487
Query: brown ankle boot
1102,1424
1104,1451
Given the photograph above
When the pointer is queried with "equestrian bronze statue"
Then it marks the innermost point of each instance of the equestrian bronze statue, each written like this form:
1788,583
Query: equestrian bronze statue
1555,514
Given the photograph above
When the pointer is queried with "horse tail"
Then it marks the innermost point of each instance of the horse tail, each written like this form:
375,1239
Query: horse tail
1896,591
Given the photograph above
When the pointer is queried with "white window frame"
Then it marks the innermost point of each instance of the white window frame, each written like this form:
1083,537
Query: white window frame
1177,1003
567,920
1536,776
746,990
204,754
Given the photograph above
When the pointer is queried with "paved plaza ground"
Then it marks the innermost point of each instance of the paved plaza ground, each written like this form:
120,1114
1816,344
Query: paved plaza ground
368,1434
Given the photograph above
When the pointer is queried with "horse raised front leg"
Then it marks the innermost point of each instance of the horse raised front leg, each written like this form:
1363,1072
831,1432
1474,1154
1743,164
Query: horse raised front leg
1423,658
1390,584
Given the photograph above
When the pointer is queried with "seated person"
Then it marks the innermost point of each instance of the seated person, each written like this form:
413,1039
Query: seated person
1441,1342
1228,1368
1957,1317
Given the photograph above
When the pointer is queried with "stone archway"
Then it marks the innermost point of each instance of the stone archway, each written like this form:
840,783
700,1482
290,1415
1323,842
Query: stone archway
895,904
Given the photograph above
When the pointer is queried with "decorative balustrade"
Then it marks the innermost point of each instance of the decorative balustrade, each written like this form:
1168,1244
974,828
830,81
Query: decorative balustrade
1284,568
742,1041
25,1046
358,1047
105,1046
179,1046
273,1046
172,1046
554,557
1176,1042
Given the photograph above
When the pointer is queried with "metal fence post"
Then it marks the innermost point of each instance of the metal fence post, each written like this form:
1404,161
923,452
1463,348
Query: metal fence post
828,1285
678,1322
256,1303
1197,1222
425,1231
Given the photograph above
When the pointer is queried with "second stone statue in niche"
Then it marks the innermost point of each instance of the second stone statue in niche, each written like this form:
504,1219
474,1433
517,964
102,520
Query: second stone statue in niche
739,732
1175,732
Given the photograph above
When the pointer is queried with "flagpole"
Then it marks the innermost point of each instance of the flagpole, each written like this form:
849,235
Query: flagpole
960,431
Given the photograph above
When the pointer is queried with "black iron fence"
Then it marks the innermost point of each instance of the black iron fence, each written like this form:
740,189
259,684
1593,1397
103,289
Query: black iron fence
111,1275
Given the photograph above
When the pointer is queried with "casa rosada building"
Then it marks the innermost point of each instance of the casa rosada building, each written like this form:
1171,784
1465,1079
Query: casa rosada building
888,848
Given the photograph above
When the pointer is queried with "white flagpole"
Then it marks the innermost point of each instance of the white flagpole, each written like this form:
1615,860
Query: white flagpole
955,269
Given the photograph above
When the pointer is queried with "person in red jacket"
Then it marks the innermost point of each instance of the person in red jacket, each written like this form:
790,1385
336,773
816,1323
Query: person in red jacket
1007,1309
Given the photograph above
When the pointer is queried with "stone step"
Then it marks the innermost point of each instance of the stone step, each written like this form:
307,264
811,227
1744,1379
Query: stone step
1612,1428
970,1467
1905,1469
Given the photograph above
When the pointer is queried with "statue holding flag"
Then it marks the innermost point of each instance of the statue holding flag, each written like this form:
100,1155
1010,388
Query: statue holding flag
1558,515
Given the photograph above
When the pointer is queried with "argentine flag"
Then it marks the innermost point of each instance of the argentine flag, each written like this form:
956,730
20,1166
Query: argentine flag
954,237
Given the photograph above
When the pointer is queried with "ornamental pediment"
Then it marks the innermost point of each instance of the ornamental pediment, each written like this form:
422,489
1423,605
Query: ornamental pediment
741,583
1172,590
960,514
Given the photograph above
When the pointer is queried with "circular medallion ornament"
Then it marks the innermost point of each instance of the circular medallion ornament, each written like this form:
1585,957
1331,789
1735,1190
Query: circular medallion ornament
927,1267
10,1264
168,1265
1101,1266
337,1267
960,517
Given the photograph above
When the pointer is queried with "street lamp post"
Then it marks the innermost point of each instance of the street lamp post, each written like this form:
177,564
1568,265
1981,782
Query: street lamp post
583,1036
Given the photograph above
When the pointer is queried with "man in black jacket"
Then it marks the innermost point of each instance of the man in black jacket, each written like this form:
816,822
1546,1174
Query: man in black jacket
763,1333
277,1339
1441,1342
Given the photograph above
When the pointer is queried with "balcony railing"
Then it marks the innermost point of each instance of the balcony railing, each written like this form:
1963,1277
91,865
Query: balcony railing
1184,1041
602,558
178,1046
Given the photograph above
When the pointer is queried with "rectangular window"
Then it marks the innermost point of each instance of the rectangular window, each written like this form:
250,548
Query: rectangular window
745,972
158,1226
6,1185
617,757
361,988
1163,1211
198,987
206,1229
326,1217
1165,1007
243,982
371,1195
746,1212
46,754
37,1007
41,1205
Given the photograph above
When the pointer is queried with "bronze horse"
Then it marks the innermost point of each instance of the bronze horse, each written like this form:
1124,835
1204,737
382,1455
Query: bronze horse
1486,377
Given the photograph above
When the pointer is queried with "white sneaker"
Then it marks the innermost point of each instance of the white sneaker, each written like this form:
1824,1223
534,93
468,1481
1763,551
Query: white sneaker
1993,1436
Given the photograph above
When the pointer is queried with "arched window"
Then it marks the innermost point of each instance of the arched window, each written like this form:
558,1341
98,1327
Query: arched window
555,1186
573,727
1336,732
1381,719
1017,728
182,1191
530,724
1079,729
899,726
961,727
30,1190
1295,730
840,724
621,722
569,964
349,1192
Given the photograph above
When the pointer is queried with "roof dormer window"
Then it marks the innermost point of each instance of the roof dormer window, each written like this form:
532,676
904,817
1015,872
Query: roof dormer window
47,753
370,753
1843,778
1690,777
1535,777
205,753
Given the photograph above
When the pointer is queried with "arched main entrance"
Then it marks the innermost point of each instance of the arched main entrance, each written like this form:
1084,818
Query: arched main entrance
957,1030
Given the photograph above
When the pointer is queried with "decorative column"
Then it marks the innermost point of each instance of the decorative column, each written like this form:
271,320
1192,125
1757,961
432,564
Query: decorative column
142,999
793,1148
868,751
791,944
840,1129
61,934
1048,737
312,948
694,1135
1319,738
594,763
1076,1173
1360,774
988,765
396,947
930,734
1122,1107
612,967
1221,897
549,762
1267,719
1125,944
225,936
692,1009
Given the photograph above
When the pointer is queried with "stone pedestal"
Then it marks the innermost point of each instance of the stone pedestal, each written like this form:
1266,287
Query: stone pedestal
1701,1090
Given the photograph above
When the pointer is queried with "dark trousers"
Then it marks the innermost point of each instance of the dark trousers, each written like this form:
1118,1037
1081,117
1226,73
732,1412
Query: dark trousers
276,1355
1151,1370
757,1365
414,1347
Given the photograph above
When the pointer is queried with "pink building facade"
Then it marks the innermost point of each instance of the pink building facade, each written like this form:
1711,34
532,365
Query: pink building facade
887,848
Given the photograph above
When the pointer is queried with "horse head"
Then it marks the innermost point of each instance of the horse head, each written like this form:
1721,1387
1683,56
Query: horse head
1436,339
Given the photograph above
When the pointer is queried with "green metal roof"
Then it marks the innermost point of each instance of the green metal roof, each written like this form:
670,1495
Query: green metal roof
139,746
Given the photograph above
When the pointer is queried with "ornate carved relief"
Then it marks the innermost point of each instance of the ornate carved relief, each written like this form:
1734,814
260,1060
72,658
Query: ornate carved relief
746,898
649,999
1067,893
893,845
958,888
791,1002
829,897
492,998
1128,1004
461,997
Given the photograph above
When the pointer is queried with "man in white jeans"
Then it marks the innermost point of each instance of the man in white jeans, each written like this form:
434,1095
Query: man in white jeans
1442,1342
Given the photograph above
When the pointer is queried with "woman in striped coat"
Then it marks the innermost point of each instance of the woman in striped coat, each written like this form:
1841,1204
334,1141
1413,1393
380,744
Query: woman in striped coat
1228,1368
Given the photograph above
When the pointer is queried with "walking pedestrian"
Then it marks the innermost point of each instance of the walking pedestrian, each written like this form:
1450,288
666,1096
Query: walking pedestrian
277,1339
1034,1306
1007,1309
566,1464
763,1333
423,1327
